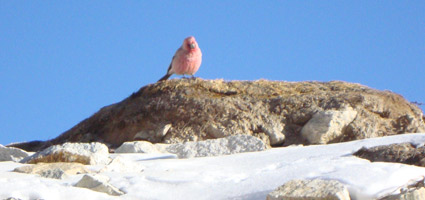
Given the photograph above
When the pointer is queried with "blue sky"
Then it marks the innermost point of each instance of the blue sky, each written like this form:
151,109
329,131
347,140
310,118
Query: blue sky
61,61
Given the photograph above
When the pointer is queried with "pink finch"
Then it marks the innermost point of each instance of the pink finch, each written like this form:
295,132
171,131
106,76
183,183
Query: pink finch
186,60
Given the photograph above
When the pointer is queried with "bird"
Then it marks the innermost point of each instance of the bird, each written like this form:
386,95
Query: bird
186,60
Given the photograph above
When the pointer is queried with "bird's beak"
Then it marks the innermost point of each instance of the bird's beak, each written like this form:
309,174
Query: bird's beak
192,45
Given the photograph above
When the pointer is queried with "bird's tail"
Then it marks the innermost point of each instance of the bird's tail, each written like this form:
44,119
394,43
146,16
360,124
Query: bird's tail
164,77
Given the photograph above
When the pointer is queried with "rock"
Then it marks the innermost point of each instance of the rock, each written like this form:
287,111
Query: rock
137,147
326,126
274,131
315,189
205,109
12,154
53,170
405,153
217,131
153,135
98,183
213,147
416,194
85,153
122,165
223,146
163,131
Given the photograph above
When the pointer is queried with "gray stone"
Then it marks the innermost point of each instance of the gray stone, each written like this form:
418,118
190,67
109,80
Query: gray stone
216,131
416,194
326,126
54,173
137,147
163,131
85,153
53,170
315,189
98,183
12,154
153,135
213,147
275,132
405,153
223,146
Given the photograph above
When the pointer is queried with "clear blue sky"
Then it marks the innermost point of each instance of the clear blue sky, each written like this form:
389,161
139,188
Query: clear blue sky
61,61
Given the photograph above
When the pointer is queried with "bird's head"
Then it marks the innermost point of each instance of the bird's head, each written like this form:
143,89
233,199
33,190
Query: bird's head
190,44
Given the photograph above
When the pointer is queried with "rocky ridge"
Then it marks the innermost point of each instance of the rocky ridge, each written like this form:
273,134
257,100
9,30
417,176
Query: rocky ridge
280,113
195,118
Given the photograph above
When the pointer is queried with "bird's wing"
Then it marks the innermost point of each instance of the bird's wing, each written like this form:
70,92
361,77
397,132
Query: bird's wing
169,68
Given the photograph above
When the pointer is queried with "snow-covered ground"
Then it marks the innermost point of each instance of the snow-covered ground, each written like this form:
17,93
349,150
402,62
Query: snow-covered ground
239,176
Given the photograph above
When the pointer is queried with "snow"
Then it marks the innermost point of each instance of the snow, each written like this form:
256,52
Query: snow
239,176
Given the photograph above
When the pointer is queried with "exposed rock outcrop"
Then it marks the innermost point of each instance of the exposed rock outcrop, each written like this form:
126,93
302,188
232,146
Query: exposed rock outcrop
315,189
405,153
223,146
181,110
213,147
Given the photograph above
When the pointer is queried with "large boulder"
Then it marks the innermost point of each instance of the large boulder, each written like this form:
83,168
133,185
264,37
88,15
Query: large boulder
181,110
84,153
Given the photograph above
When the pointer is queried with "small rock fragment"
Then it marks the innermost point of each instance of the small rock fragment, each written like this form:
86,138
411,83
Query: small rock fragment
315,189
155,135
163,131
98,183
216,130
